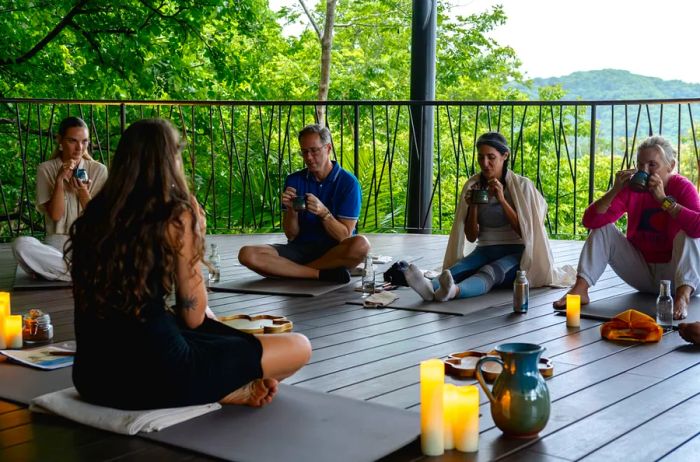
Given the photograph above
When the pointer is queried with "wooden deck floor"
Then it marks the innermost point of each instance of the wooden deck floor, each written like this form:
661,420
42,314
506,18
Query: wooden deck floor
610,401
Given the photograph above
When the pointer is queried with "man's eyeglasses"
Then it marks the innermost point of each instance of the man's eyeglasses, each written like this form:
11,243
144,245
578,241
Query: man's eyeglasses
313,150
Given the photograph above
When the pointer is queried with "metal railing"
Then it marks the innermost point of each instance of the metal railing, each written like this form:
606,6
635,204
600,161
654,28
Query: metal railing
238,153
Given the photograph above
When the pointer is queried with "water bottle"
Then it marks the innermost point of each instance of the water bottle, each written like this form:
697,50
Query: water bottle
215,262
368,276
521,293
664,306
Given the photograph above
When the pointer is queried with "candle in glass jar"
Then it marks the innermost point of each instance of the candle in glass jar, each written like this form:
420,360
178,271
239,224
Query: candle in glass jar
13,331
466,423
432,379
573,310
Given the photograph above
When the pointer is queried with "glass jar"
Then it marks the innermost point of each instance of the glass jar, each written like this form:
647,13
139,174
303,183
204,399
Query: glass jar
37,327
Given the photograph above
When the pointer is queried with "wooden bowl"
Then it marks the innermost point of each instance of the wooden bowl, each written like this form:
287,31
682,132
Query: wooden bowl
258,324
463,365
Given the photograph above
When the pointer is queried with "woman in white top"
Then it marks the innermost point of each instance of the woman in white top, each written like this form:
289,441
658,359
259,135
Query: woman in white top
64,186
506,233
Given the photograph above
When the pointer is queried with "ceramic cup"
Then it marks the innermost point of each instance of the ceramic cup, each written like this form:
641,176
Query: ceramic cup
480,196
299,203
639,181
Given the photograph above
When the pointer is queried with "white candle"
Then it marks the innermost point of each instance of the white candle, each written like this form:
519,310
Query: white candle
573,310
4,313
13,331
466,424
432,379
449,409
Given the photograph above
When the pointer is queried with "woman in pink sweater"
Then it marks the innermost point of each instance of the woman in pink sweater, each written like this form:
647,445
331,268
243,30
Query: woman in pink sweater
663,224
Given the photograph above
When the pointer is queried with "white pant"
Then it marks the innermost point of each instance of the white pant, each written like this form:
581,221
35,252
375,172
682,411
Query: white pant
607,245
39,259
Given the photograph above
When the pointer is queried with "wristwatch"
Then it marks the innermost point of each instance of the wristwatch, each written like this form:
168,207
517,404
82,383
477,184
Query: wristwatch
668,203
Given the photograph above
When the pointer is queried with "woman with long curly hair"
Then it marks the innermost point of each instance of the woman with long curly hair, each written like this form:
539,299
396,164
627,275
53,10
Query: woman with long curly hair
138,247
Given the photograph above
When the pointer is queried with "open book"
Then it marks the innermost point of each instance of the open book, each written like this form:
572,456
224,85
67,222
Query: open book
48,357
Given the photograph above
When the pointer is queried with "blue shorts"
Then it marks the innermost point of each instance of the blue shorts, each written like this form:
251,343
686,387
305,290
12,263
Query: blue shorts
302,252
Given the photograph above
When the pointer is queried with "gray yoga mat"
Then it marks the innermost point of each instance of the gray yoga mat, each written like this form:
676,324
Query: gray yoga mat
23,281
258,285
606,309
22,384
299,425
411,301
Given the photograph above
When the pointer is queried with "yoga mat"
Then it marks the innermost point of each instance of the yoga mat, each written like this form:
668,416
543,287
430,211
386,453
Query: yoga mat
257,285
22,384
411,301
299,425
23,281
606,309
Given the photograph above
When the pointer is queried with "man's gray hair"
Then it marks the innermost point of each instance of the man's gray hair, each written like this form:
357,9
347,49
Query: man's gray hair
320,130
661,144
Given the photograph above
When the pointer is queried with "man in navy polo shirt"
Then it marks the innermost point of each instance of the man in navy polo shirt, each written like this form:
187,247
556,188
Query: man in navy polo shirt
321,242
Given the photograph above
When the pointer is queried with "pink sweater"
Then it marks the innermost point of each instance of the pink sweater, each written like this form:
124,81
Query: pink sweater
649,228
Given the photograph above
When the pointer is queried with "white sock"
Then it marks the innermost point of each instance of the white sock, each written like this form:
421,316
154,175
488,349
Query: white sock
419,283
447,289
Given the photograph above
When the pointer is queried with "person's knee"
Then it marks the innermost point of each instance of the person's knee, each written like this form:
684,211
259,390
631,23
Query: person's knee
22,244
247,256
302,346
359,248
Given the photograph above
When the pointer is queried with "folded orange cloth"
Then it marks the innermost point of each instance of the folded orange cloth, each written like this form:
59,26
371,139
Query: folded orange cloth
632,325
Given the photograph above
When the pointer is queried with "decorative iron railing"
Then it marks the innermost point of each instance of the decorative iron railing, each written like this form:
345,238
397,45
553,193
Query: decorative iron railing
238,153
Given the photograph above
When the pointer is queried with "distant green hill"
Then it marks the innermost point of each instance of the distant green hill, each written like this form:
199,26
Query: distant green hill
613,84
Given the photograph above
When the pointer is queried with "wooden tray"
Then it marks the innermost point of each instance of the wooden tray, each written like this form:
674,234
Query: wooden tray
463,365
259,324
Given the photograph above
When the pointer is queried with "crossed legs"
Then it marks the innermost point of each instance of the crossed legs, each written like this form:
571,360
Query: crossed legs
283,355
266,261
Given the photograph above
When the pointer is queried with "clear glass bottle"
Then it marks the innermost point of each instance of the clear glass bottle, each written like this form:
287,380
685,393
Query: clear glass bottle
521,292
368,276
664,306
215,262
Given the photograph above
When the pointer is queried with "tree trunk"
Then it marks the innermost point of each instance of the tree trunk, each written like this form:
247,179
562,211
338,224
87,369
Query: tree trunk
326,45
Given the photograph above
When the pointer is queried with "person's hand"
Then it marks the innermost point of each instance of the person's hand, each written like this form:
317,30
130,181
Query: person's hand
622,178
78,185
496,189
315,206
690,332
656,187
65,173
288,196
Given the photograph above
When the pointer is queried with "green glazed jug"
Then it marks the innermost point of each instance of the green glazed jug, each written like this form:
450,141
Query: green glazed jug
520,397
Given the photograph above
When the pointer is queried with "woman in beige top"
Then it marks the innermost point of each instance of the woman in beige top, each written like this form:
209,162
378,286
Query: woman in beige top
64,186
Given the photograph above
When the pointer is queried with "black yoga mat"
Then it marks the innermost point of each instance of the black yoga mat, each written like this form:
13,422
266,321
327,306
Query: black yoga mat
259,285
22,384
23,281
299,425
410,300
607,308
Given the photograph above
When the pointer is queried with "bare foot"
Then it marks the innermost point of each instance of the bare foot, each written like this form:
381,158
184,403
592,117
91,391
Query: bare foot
579,288
681,301
690,332
255,394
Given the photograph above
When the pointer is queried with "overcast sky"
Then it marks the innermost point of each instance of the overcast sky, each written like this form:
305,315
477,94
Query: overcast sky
557,37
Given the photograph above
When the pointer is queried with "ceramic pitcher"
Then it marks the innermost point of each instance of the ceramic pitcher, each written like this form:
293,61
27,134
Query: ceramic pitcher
520,397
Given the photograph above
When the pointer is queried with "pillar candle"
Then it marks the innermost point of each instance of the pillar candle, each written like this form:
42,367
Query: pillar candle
13,331
573,310
4,304
466,423
448,411
432,379
4,313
